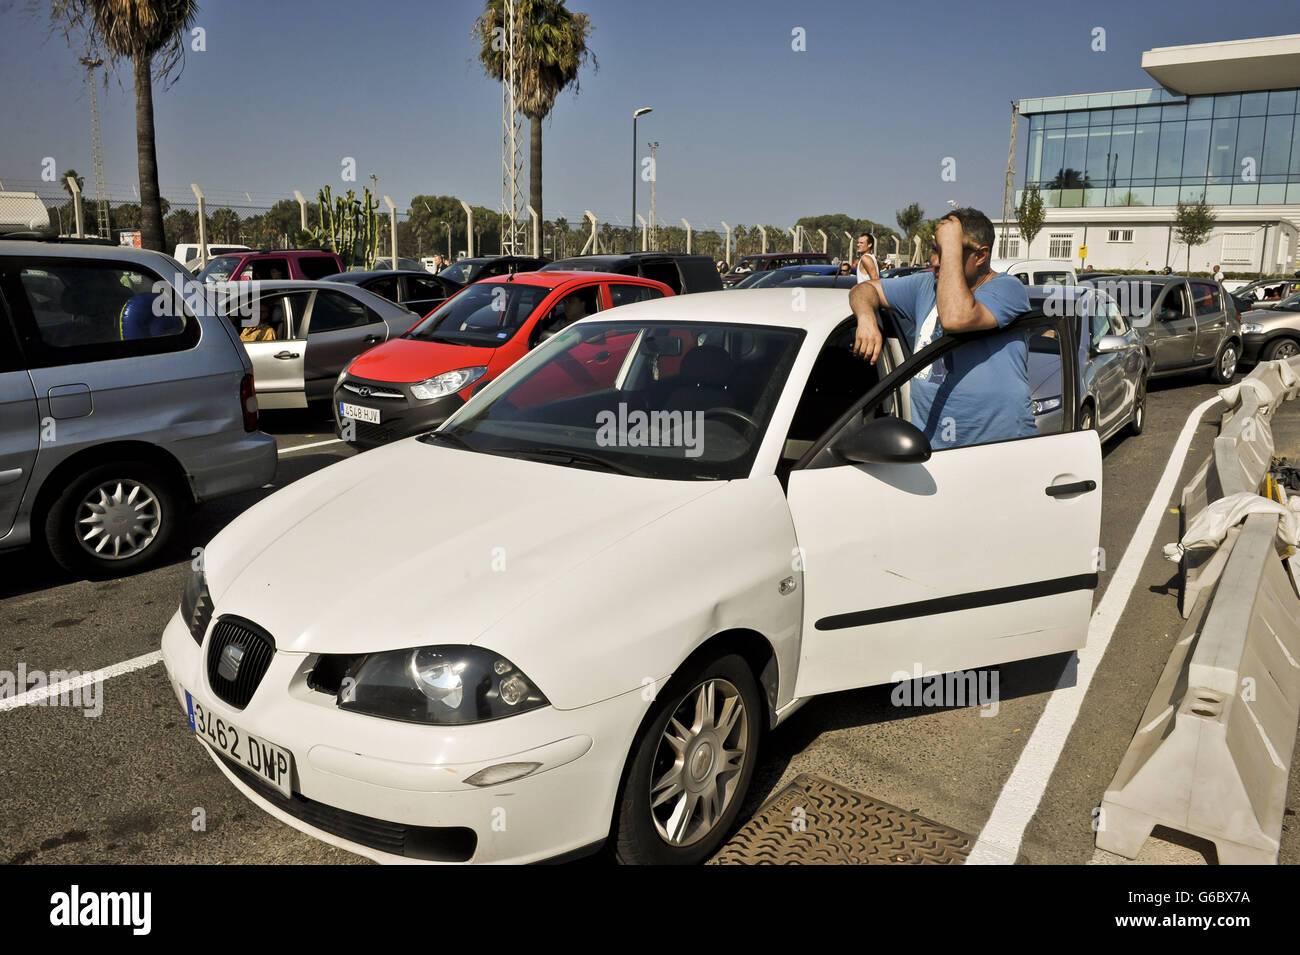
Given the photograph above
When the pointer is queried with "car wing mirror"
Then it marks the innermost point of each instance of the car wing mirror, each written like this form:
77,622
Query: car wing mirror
1110,344
883,441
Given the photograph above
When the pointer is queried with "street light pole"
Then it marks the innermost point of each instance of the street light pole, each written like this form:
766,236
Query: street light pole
635,115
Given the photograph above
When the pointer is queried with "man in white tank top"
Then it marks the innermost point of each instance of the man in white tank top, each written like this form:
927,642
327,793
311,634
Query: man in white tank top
866,264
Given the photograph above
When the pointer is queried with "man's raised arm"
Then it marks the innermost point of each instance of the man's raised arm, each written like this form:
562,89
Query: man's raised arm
865,298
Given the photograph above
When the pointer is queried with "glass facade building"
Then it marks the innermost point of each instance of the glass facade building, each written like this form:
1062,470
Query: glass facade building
1155,148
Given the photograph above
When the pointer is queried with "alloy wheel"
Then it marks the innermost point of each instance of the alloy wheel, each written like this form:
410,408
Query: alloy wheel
699,762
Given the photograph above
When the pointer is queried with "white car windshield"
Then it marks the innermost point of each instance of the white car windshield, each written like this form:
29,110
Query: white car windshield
684,401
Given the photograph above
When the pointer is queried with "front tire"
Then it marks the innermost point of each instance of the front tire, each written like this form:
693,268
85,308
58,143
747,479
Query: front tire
690,767
112,519
1286,348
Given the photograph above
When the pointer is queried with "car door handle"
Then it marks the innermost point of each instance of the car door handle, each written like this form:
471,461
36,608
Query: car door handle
1075,487
286,355
10,476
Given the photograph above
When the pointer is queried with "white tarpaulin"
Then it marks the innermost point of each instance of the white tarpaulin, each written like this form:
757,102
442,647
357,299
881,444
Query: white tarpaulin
1208,528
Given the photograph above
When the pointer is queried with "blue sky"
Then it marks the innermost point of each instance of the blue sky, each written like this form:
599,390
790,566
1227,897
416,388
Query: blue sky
750,130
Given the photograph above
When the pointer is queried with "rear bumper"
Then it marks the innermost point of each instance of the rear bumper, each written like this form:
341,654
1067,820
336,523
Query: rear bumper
218,466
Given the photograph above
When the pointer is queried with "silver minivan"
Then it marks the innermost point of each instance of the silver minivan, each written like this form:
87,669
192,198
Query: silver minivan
124,398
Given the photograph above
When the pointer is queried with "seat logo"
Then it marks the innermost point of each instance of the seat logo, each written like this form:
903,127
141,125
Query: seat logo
231,657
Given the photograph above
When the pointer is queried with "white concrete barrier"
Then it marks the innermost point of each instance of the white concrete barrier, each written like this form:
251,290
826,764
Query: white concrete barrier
1212,753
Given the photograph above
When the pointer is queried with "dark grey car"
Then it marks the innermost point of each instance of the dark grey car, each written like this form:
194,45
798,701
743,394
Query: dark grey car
1187,324
124,398
417,291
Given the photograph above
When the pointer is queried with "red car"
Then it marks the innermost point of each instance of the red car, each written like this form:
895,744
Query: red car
412,384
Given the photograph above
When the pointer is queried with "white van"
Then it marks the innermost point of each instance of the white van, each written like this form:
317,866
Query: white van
1039,271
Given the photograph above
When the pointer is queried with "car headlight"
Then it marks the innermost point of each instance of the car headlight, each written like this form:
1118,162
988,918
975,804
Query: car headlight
338,382
442,685
1044,405
448,383
196,605
1251,328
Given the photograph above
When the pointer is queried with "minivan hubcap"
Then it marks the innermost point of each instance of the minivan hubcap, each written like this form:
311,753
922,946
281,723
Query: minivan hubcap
698,763
118,519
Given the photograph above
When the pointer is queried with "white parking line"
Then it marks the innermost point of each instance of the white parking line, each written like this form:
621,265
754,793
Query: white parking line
304,447
999,840
34,697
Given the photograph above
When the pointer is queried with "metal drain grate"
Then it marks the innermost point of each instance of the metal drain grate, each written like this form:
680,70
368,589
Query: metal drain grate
814,821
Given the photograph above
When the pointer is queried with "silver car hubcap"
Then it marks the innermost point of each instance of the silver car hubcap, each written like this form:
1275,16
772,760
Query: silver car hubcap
698,763
1229,363
118,519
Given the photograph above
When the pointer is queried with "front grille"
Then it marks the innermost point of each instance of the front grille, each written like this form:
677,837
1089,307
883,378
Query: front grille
371,391
435,844
257,648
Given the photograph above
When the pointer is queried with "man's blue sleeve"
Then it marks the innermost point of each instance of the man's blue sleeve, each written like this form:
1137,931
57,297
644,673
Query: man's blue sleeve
901,294
1005,298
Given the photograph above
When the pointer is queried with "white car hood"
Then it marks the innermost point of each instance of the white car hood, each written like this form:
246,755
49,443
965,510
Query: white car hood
416,544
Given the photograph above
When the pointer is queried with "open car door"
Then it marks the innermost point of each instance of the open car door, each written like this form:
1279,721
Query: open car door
978,555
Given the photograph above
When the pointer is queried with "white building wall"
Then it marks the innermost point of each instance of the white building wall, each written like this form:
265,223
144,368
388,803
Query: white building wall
1143,238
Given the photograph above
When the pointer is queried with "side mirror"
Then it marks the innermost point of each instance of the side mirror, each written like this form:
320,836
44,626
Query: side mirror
884,441
1110,344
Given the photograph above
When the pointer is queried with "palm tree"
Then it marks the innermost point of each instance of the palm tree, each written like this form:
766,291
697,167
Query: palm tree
554,48
72,174
151,34
225,224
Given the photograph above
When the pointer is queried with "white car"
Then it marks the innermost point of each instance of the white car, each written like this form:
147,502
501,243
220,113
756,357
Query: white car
566,619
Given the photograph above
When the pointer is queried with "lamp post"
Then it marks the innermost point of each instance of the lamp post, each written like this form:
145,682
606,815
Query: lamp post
635,116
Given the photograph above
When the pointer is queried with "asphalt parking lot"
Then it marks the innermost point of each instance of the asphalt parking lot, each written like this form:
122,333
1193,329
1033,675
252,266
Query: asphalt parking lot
131,785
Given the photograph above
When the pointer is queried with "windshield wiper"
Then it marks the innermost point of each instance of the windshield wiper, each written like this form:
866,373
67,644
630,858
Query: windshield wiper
574,457
451,438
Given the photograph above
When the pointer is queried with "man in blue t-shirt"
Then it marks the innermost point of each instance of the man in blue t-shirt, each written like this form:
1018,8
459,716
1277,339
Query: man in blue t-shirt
980,391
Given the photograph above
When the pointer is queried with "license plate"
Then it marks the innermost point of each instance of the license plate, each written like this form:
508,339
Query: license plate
359,413
270,762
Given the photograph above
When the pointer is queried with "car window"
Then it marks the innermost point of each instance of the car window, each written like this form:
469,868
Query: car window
577,304
486,314
421,289
269,269
271,317
1175,301
838,379
1205,298
97,310
703,421
385,286
1051,278
318,266
220,269
335,311
622,294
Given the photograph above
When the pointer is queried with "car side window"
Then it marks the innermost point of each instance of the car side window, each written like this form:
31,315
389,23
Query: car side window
97,310
385,287
336,311
621,294
270,270
1205,297
577,304
837,380
1174,304
419,289
317,266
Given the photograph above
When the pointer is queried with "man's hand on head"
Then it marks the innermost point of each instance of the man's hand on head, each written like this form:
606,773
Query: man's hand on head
949,236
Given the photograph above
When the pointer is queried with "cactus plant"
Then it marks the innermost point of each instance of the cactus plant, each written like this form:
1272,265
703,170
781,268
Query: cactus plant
350,225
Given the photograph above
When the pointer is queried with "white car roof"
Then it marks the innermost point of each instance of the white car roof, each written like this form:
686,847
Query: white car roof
818,310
